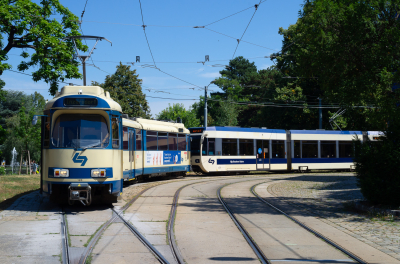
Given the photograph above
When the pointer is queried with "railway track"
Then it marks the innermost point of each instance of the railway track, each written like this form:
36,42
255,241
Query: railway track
64,239
246,235
68,259
324,238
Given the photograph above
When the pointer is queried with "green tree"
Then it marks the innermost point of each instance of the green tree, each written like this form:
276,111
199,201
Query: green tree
178,110
19,132
226,113
198,110
125,88
351,48
27,25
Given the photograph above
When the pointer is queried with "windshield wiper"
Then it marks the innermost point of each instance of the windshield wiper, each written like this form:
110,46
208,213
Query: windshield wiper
91,146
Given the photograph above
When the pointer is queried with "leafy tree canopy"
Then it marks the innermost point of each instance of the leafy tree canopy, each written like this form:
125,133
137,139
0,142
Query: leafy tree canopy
350,48
27,25
178,110
125,88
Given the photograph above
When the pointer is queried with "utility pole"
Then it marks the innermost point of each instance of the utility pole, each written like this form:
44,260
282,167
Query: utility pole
83,59
205,106
320,113
205,103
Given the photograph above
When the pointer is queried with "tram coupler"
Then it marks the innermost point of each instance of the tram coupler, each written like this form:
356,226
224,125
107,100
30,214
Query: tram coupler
80,192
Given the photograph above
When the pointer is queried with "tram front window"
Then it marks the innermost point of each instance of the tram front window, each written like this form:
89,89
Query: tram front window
80,131
195,145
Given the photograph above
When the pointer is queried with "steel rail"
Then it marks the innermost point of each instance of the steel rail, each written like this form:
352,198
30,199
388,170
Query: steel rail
316,233
171,235
98,234
246,235
64,237
142,239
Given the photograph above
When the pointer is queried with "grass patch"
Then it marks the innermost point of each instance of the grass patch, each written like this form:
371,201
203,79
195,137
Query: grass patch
14,186
91,237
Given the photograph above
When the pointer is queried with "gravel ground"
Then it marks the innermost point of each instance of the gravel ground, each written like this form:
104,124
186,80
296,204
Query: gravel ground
330,198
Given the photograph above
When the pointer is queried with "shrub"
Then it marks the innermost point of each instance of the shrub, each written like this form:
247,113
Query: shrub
378,169
2,170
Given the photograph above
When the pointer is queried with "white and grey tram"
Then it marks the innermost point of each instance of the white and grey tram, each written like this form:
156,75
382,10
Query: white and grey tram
235,149
89,148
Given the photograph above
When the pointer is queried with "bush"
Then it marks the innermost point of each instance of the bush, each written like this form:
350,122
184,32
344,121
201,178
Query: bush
2,170
378,169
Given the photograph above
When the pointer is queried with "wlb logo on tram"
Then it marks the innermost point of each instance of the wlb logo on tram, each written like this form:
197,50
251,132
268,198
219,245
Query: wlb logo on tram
79,159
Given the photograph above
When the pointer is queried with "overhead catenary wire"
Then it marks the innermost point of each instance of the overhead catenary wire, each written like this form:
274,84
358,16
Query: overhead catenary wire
32,76
144,31
256,7
233,14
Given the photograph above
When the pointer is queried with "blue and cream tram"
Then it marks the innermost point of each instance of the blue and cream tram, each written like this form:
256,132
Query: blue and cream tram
89,149
233,149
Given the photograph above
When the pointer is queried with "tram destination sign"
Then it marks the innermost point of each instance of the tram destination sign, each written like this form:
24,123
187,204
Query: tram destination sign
80,102
196,130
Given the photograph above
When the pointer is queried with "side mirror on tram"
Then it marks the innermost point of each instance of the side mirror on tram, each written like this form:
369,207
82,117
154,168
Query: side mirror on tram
34,120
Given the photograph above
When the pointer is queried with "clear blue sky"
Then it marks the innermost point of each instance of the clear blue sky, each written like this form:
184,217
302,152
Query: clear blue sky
175,44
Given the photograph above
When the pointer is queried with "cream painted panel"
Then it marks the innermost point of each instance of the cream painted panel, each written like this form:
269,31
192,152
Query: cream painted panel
278,166
323,137
318,166
248,135
138,160
96,158
126,164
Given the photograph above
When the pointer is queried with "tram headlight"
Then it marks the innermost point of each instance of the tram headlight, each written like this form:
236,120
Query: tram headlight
61,173
98,173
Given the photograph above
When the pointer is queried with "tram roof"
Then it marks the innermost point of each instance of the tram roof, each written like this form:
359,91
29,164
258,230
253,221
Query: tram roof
240,129
103,98
326,132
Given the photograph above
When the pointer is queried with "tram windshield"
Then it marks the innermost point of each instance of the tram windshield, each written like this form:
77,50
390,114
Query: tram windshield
80,131
195,145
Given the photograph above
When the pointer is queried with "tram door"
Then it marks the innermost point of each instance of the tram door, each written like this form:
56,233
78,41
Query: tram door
262,154
131,135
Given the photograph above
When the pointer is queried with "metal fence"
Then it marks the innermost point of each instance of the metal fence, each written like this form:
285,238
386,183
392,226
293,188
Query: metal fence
14,171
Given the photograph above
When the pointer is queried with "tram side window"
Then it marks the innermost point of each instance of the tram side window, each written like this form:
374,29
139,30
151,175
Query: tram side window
229,147
162,141
125,138
151,140
297,153
173,141
182,142
328,149
115,132
138,139
46,140
310,149
211,146
278,149
345,149
204,148
246,147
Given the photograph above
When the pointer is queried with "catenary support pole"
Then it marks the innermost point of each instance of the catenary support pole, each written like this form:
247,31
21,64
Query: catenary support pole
320,114
205,106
